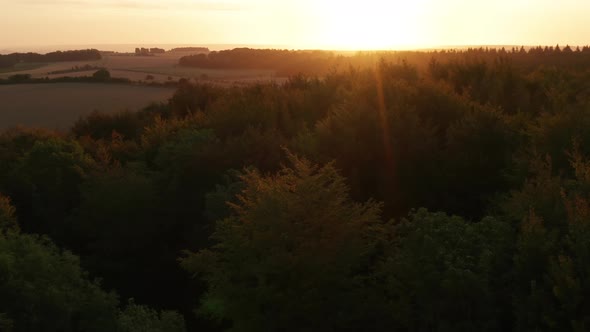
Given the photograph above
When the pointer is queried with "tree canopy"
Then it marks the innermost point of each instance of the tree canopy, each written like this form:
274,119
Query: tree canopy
404,191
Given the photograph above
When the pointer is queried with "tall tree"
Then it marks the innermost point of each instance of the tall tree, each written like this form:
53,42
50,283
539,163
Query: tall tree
291,256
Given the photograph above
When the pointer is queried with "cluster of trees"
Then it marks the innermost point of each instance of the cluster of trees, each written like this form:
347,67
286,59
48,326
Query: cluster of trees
148,51
453,196
102,75
75,69
284,62
191,49
43,288
9,60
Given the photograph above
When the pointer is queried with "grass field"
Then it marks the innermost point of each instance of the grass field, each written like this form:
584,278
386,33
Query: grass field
21,67
59,105
38,70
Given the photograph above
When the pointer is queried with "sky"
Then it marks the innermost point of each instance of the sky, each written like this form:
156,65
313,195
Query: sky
327,24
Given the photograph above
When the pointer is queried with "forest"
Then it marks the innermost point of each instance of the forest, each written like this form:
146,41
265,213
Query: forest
285,62
407,191
320,62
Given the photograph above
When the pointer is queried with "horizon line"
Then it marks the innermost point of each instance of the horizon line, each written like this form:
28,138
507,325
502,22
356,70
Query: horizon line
219,47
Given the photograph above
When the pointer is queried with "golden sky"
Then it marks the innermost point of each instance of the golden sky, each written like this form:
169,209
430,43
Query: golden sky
336,24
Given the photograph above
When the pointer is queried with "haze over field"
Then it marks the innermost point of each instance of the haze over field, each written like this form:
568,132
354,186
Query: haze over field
338,24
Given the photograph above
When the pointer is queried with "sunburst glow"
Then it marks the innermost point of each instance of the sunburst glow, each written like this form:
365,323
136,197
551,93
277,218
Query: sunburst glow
322,24
371,24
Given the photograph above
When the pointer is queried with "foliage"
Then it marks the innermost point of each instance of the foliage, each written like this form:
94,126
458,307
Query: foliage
286,259
45,184
102,74
434,260
7,215
57,56
43,288
496,139
552,250
101,126
138,318
283,61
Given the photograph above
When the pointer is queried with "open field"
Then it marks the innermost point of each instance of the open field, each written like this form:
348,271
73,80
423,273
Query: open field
163,67
22,67
59,105
44,70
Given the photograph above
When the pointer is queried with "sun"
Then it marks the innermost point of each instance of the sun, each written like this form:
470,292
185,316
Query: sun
370,24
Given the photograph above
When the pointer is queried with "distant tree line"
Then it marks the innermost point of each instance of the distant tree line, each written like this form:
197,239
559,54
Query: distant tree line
191,49
287,62
102,75
148,51
12,59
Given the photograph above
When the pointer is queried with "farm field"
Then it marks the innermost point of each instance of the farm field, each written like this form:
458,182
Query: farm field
162,67
21,67
59,105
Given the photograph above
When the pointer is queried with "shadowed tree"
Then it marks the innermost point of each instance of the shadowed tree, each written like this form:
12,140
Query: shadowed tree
43,288
291,256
